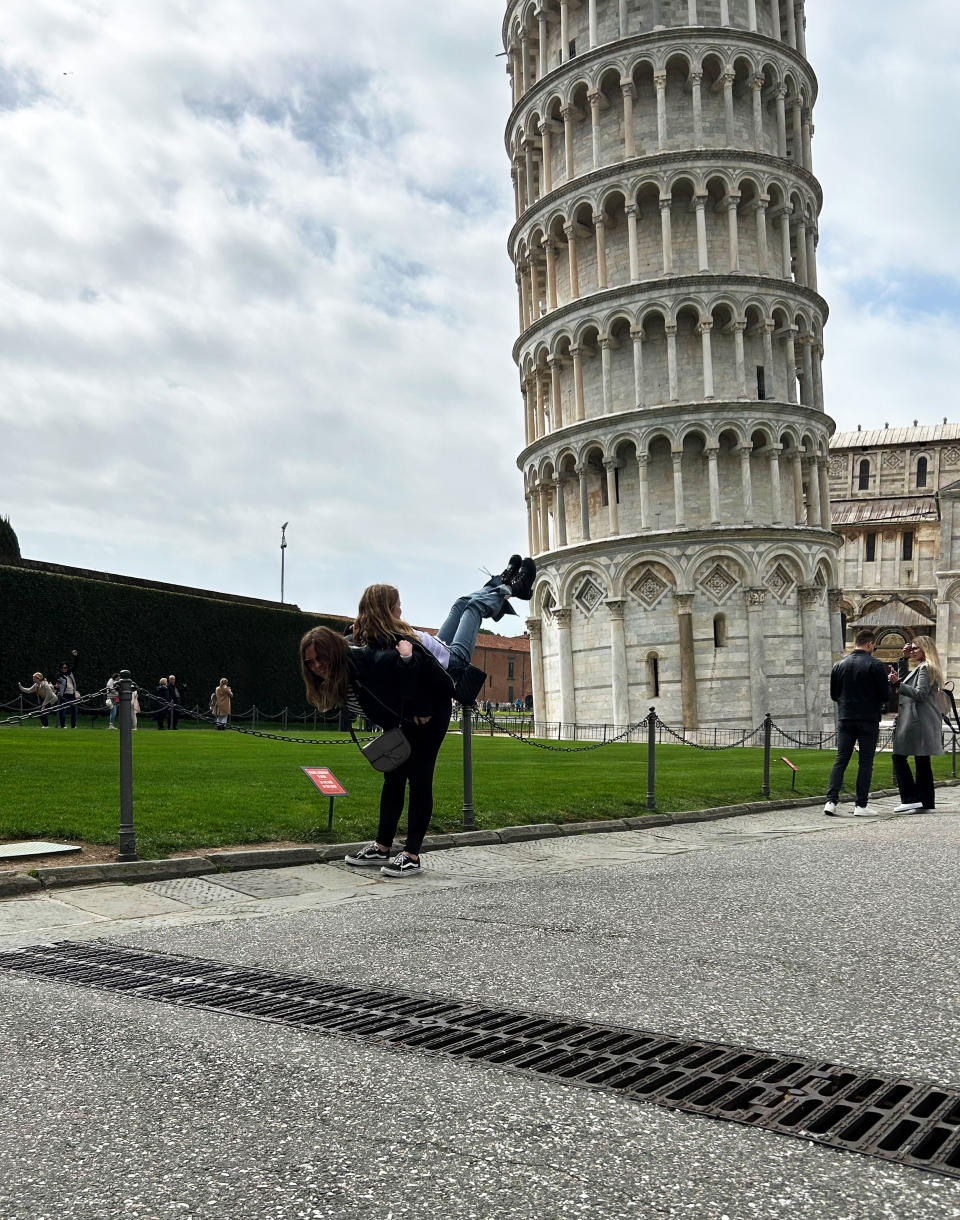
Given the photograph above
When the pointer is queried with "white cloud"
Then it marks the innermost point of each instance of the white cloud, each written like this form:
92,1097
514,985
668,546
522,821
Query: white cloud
254,270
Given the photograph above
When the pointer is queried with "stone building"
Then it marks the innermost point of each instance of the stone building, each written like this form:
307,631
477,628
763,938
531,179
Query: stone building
670,346
895,494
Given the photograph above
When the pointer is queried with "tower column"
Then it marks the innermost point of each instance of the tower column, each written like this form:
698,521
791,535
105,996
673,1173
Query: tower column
752,15
812,258
561,512
528,417
545,135
763,256
618,664
600,228
544,492
571,232
759,694
780,101
643,460
541,16
563,617
556,397
606,376
610,466
688,662
550,250
733,226
576,355
791,352
692,12
666,235
660,81
592,22
740,359
728,79
629,139
809,596
595,99
631,211
713,481
818,377
671,330
798,487
776,493
638,339
703,258
769,326
746,483
826,515
564,30
679,511
696,93
567,114
802,273
756,87
815,509
538,389
524,60
534,630
705,328
535,519
582,472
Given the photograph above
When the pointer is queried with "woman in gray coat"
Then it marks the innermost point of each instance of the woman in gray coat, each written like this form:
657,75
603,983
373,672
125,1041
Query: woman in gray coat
919,728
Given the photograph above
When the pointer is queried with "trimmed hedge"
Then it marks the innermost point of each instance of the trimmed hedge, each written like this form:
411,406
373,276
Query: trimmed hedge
153,633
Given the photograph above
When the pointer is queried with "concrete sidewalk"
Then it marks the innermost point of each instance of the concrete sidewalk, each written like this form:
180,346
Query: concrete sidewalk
785,930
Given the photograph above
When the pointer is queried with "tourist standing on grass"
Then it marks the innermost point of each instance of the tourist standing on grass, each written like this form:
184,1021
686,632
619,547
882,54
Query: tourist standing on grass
175,701
919,728
163,698
45,693
389,676
221,702
68,691
113,699
860,688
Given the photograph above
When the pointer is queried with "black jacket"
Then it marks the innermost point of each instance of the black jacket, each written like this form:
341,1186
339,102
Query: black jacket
390,689
859,686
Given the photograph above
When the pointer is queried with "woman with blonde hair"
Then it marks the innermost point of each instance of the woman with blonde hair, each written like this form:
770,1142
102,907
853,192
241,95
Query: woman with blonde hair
919,728
45,694
221,702
398,679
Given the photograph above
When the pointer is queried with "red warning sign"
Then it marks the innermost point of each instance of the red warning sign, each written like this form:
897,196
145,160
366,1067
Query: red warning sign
325,780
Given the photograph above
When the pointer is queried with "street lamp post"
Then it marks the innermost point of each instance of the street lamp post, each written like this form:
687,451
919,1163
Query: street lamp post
283,548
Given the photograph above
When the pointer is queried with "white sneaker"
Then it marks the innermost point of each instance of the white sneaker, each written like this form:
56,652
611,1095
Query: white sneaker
908,807
865,812
830,807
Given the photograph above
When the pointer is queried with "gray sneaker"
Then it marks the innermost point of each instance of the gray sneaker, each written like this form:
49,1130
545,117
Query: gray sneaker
865,812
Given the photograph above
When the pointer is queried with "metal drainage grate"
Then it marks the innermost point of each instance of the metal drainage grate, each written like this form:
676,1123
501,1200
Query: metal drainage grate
910,1122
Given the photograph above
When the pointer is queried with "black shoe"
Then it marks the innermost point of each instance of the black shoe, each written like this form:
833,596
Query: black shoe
522,584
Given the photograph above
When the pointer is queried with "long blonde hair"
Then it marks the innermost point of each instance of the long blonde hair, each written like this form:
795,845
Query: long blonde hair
934,667
330,692
375,622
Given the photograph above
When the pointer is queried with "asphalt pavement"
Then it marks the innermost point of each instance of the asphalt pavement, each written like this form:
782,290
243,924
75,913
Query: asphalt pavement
786,931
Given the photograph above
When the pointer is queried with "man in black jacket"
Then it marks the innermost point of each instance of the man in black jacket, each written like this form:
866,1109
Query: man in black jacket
860,687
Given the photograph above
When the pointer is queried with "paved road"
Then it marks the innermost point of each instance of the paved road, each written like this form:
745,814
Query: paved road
785,930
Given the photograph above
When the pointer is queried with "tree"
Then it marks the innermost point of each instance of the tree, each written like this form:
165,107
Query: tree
8,539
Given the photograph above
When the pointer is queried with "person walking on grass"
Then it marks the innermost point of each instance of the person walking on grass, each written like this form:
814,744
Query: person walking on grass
389,676
45,693
113,699
919,729
221,702
860,689
68,691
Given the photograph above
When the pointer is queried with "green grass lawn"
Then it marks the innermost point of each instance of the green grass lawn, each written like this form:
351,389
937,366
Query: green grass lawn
202,789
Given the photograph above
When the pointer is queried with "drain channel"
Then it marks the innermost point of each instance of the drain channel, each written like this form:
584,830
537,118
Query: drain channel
910,1122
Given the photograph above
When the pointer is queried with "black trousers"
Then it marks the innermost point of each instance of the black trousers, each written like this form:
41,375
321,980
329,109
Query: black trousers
849,734
417,772
919,789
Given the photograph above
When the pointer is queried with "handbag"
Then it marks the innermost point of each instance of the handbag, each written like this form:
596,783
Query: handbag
386,752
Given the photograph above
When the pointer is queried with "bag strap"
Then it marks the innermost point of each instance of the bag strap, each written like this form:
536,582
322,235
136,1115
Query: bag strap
955,724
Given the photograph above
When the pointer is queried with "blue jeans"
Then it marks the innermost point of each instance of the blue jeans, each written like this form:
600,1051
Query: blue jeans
462,624
68,701
113,712
849,733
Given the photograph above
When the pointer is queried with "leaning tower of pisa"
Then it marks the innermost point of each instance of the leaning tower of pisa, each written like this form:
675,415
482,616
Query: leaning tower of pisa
671,336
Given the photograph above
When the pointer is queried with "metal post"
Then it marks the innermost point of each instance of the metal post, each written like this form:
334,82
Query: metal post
283,554
469,820
126,840
767,725
954,755
651,756
330,817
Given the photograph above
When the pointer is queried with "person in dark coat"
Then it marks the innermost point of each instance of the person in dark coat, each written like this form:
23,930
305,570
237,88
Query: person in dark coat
919,728
67,691
860,688
163,698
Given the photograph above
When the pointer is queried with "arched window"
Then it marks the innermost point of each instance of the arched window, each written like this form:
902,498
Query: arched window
719,631
922,472
653,675
863,481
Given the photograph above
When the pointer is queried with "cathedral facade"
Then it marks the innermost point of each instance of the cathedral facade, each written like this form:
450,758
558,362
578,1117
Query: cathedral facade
670,344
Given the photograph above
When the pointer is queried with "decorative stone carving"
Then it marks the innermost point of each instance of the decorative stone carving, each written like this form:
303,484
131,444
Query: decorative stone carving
810,596
588,596
951,456
649,588
838,467
892,460
836,601
718,583
755,598
780,582
615,608
684,603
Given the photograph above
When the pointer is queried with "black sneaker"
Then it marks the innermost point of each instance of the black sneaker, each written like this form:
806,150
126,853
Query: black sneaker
367,857
401,866
522,584
512,568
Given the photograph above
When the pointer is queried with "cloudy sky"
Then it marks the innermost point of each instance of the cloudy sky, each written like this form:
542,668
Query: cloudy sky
253,270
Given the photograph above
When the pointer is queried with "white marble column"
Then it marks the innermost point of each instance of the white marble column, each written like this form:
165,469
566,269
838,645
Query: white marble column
703,257
671,331
632,243
542,67
756,86
826,514
739,359
571,233
618,665
780,101
564,30
818,377
812,258
791,358
582,474
724,12
535,519
534,629
600,229
544,517
666,235
550,251
534,286
568,697
525,60
806,359
696,92
692,18
791,30
746,483
610,466
643,461
638,340
777,28
660,82
595,99
568,114
802,273
728,79
785,213
546,137
752,15
606,375
733,227
836,624
713,482
757,662
538,390
809,597
763,255
814,507
679,509
798,486
776,492
769,370
629,138
528,417
556,395
576,355
592,22
806,136
623,23
561,511
705,327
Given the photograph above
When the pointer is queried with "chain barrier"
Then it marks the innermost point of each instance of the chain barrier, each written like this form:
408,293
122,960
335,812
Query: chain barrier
542,745
207,718
711,749
52,708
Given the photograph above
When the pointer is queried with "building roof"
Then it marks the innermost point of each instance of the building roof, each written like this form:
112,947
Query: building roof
894,613
885,508
504,643
895,436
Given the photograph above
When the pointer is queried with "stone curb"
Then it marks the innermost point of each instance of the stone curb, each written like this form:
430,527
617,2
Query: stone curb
235,861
